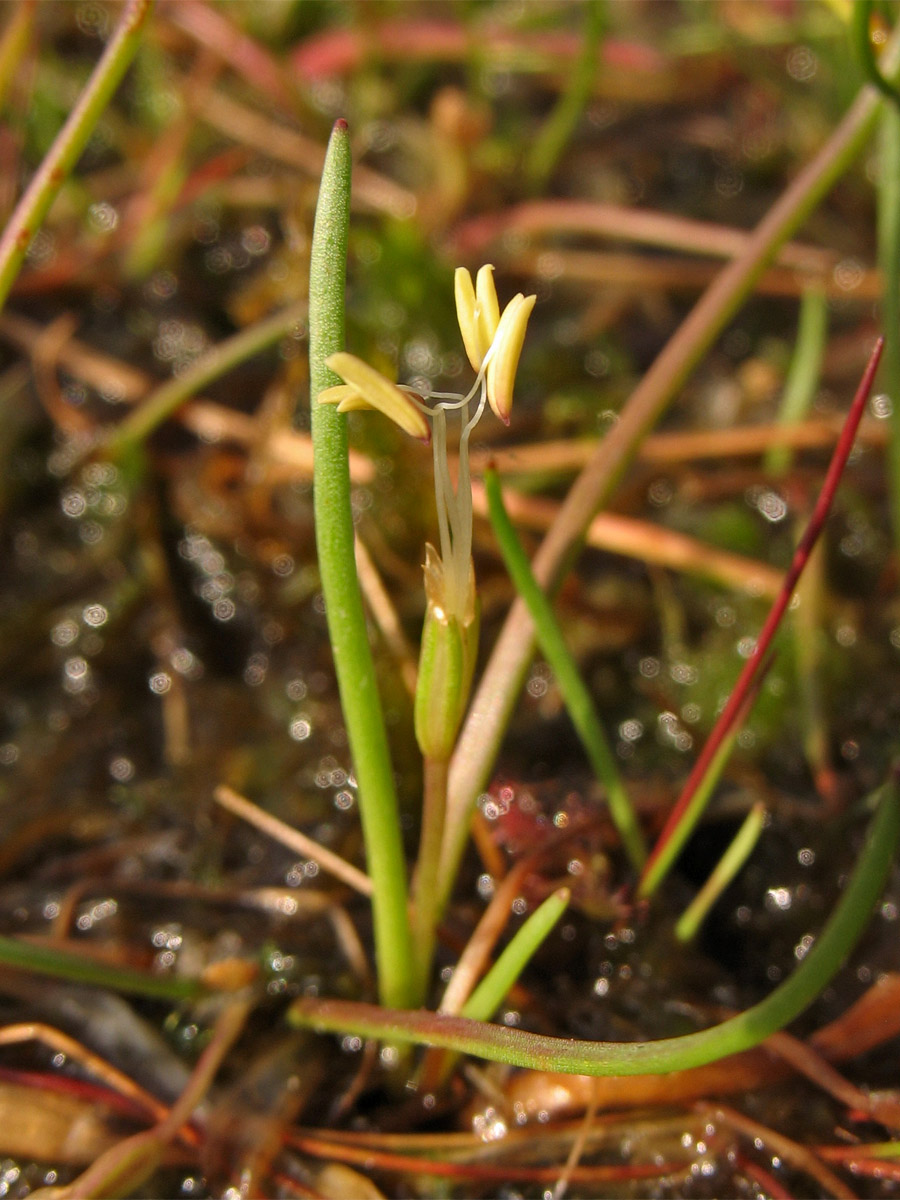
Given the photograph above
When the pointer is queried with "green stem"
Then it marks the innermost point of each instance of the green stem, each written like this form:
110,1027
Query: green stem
747,1029
69,143
810,645
806,619
493,703
343,603
662,861
575,693
560,125
424,896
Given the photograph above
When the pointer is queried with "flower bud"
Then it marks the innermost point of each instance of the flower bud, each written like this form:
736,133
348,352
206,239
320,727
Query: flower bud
446,664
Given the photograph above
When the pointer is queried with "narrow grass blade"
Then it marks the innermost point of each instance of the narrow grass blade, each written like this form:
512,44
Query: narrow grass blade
489,994
575,693
71,140
501,977
749,1028
63,964
739,850
666,852
803,374
353,663
806,623
222,358
560,125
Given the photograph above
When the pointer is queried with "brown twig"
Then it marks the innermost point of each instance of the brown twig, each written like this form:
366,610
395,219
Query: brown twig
294,839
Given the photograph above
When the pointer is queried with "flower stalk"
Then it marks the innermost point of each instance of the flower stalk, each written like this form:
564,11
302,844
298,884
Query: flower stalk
449,647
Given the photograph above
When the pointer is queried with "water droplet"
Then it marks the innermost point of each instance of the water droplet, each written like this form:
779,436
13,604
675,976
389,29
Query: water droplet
95,615
300,729
485,886
73,503
64,633
121,769
779,898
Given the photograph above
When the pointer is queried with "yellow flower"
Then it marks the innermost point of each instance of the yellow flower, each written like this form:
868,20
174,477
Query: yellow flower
364,387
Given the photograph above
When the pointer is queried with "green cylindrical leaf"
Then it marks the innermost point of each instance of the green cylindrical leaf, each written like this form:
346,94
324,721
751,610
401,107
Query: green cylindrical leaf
353,661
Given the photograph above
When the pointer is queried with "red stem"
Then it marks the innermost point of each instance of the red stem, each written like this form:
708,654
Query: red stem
799,561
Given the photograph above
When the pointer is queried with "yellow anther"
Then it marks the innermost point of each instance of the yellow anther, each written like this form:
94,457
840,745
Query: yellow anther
370,389
467,315
487,306
508,341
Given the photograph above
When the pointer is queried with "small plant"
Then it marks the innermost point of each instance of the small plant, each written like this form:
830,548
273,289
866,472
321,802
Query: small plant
449,640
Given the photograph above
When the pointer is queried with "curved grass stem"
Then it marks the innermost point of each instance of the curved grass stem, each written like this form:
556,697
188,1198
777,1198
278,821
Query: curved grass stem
749,1028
